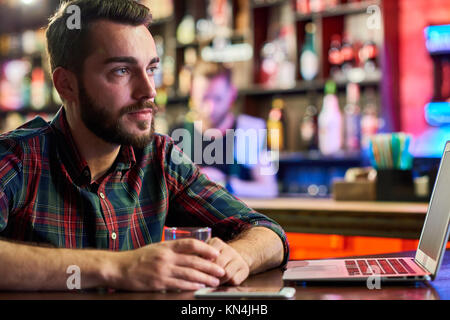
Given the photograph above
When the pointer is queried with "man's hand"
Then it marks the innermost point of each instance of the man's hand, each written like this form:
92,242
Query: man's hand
236,268
185,264
254,250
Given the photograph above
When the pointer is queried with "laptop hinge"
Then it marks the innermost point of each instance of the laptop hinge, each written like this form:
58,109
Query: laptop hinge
421,265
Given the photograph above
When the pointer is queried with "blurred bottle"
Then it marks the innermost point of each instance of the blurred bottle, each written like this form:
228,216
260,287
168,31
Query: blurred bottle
56,98
335,57
161,123
309,59
186,30
330,122
275,126
168,70
317,5
39,90
331,3
242,21
221,14
347,54
368,55
158,74
268,73
309,130
12,121
26,91
286,44
302,6
352,112
160,8
369,120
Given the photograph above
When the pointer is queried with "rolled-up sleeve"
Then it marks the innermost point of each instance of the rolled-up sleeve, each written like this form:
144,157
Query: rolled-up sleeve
197,201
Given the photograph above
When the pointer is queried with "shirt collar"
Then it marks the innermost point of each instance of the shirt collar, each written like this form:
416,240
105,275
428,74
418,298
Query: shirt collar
77,165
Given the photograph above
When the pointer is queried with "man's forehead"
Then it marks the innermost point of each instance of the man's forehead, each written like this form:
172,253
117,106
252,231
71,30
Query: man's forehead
108,39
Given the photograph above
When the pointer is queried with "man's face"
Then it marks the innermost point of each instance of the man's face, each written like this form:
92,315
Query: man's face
212,98
117,90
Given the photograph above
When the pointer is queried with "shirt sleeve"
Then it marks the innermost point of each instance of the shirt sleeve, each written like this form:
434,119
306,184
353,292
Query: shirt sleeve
10,186
4,210
197,201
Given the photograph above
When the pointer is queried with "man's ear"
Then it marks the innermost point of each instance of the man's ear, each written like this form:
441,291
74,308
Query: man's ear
66,84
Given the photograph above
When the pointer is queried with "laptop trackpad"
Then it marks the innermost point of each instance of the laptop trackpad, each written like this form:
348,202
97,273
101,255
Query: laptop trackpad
317,268
314,269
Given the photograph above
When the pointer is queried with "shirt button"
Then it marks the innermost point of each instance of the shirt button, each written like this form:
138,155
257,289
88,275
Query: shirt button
102,195
114,236
86,173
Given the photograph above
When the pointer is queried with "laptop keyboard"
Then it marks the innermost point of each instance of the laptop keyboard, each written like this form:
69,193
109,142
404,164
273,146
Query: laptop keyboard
377,266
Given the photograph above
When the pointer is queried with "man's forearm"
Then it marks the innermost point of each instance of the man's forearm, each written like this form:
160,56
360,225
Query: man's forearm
30,268
260,247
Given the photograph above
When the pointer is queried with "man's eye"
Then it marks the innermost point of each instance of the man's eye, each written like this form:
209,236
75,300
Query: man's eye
121,71
151,71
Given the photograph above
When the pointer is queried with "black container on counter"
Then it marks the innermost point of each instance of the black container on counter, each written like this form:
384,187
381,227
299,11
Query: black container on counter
395,185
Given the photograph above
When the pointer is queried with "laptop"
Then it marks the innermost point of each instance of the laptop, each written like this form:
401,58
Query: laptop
423,267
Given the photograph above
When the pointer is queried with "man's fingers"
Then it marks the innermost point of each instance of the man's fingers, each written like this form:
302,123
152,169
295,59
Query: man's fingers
235,273
194,246
172,284
230,270
224,257
239,277
217,243
198,263
236,269
195,276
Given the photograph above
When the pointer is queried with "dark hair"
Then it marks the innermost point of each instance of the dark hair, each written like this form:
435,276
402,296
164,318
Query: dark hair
69,47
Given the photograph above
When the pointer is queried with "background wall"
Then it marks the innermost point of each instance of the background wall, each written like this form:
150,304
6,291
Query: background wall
415,65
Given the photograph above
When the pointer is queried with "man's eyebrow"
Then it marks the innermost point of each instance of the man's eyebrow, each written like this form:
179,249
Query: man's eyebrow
154,60
130,60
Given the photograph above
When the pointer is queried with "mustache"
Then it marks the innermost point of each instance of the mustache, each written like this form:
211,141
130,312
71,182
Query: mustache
140,106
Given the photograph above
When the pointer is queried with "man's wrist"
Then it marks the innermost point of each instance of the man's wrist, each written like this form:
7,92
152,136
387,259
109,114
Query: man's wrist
260,247
110,271
241,247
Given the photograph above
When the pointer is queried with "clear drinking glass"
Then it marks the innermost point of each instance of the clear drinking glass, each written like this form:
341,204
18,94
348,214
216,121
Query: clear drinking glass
202,234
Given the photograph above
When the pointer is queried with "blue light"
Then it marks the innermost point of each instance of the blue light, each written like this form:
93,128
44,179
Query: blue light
438,38
431,142
437,113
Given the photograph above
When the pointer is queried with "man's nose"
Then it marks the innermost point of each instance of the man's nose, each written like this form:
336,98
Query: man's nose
144,88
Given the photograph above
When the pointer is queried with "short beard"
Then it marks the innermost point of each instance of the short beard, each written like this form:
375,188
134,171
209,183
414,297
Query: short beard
103,124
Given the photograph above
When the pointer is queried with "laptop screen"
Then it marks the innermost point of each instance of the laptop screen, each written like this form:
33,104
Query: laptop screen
435,227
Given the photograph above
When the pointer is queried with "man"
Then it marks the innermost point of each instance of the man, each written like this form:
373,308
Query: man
229,149
98,186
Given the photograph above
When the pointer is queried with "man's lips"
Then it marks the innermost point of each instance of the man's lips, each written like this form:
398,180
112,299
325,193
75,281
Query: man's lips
144,114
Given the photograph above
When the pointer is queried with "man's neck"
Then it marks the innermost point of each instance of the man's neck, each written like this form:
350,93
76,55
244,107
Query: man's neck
99,154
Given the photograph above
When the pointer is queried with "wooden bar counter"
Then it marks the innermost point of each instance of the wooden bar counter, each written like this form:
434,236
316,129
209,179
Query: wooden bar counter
438,289
352,218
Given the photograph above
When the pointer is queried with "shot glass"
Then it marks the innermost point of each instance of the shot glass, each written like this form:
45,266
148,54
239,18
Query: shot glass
202,234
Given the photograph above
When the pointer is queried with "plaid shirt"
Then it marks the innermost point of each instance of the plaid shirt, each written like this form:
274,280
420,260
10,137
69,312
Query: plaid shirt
46,194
